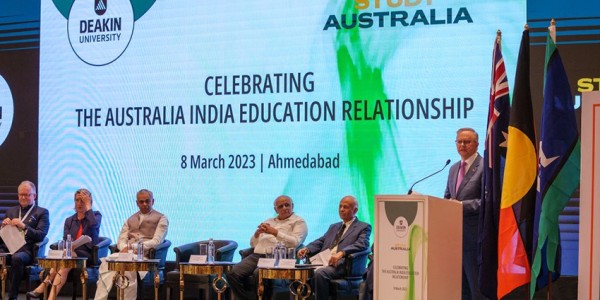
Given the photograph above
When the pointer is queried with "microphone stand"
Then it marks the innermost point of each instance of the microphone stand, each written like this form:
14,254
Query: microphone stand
411,187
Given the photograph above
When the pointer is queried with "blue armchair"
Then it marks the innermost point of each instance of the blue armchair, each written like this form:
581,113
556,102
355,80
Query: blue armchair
159,252
99,251
32,272
224,251
355,265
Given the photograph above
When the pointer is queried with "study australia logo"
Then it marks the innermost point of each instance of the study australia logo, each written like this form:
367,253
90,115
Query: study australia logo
99,31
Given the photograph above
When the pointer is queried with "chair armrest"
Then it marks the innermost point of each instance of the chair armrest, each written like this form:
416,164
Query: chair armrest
54,246
100,250
226,252
246,252
39,249
183,252
160,252
155,252
356,263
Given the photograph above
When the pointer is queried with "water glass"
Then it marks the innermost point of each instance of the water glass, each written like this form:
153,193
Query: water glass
134,246
129,247
61,245
282,252
291,253
269,252
305,260
203,249
140,250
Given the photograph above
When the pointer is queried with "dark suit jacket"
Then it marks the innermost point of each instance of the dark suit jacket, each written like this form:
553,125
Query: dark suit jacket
469,193
37,222
355,239
91,227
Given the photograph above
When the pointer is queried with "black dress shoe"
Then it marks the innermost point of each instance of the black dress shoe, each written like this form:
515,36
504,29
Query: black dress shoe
35,295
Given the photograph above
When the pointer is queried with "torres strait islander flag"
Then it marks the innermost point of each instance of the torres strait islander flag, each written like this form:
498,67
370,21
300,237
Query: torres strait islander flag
559,160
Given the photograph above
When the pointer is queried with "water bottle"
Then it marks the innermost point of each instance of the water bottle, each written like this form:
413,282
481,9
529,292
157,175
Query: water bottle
277,254
69,247
283,251
61,247
210,258
140,249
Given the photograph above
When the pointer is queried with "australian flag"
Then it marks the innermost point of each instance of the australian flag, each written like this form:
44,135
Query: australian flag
494,159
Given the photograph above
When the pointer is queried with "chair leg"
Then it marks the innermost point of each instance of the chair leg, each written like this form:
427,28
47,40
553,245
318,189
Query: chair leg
140,286
74,289
207,292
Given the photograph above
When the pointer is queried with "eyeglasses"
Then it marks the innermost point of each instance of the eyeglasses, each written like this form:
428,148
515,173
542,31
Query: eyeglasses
143,201
25,195
280,206
464,142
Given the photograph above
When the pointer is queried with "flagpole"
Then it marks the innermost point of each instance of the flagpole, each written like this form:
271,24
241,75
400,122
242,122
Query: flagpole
528,286
549,291
526,27
498,36
552,30
529,224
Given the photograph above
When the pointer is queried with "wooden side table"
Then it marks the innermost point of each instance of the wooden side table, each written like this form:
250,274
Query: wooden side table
133,266
299,286
59,263
3,273
217,268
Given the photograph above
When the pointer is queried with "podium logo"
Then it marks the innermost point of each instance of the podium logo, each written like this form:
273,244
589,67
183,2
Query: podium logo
100,33
6,110
401,227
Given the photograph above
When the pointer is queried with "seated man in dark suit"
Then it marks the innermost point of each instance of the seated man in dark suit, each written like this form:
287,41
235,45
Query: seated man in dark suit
343,238
33,221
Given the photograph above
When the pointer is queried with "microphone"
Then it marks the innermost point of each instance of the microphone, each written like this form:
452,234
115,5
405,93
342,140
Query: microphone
411,187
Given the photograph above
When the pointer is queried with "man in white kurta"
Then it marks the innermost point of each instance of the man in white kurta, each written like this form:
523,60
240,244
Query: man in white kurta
147,224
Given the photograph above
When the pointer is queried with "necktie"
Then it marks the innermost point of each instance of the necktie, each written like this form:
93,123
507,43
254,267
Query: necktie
461,175
338,236
79,231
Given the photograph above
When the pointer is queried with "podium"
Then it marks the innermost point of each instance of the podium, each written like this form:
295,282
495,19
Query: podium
418,248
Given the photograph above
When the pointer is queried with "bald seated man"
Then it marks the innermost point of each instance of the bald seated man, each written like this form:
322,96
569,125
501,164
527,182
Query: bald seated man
286,227
343,238
148,225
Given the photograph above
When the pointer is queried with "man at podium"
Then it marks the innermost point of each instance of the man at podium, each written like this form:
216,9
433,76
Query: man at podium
465,185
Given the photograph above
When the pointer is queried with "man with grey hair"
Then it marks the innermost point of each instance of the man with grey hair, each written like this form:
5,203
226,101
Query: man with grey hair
342,238
33,222
147,224
286,227
465,183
